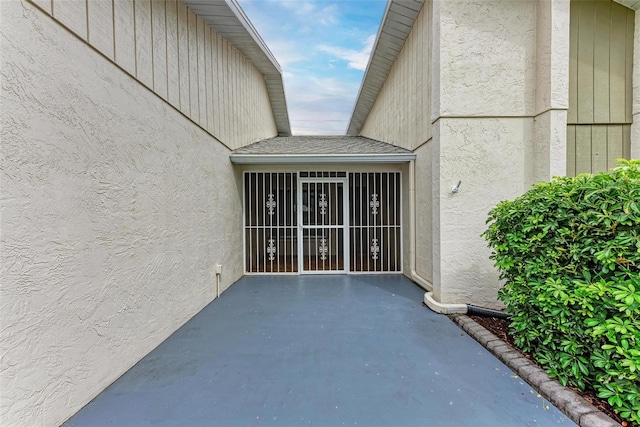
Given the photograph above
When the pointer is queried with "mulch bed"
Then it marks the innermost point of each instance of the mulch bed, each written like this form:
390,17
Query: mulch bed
500,328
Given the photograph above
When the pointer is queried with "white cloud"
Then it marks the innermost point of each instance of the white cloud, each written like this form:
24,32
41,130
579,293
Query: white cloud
327,15
356,59
319,106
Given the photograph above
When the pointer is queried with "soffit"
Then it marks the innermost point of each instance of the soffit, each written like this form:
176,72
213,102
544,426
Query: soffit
631,4
394,30
228,19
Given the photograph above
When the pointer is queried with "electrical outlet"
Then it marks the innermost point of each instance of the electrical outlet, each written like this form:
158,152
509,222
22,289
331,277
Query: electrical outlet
218,269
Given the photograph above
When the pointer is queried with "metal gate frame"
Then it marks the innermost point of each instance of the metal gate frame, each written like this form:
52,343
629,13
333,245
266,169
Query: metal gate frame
344,227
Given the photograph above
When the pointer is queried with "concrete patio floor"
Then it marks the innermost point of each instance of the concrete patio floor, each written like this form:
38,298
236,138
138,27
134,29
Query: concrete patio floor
319,351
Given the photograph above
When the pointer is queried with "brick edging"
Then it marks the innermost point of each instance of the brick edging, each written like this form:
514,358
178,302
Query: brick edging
572,404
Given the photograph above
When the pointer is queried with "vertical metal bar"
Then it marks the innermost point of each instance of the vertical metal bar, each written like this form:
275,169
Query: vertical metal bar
294,222
352,223
361,225
300,226
389,175
366,208
375,221
285,206
277,214
360,222
396,219
351,220
334,204
250,213
244,221
287,222
264,234
346,237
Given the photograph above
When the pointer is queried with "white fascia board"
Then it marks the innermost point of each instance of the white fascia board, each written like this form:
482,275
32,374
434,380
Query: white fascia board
265,159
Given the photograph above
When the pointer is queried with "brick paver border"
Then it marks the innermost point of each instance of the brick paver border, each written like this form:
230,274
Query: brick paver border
572,404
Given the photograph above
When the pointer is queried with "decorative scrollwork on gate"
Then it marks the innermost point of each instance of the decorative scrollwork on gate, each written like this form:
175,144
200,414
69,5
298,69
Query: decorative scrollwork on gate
375,249
271,250
323,249
271,204
375,204
322,204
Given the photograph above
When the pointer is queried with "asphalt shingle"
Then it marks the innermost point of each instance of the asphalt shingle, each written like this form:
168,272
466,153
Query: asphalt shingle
314,145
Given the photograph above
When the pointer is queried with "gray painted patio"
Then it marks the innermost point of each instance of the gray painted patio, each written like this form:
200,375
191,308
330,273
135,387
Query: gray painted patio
319,351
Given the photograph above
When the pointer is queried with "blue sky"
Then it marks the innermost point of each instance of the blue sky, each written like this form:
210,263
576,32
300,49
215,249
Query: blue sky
323,48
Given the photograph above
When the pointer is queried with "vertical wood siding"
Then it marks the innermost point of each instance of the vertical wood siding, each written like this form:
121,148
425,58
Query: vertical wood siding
401,114
600,85
172,51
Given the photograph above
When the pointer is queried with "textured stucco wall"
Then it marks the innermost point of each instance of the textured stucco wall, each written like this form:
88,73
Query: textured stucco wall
635,127
487,58
548,153
402,111
114,207
488,156
490,82
173,52
424,214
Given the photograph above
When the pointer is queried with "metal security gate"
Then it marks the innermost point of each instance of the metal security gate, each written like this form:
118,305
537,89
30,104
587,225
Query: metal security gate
322,222
271,223
375,222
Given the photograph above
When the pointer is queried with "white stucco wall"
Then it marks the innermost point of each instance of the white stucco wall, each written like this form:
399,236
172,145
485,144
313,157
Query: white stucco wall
424,213
548,152
486,57
462,270
499,125
115,208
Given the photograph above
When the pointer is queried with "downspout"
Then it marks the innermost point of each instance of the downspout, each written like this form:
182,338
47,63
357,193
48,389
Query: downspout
429,301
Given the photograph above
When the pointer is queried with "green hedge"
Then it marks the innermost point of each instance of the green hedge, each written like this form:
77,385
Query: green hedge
569,252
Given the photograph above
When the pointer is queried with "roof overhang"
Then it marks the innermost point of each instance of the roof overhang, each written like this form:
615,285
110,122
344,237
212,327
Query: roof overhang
395,28
284,159
228,19
631,4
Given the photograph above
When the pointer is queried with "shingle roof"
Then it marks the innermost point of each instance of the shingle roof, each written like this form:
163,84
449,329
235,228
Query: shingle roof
320,149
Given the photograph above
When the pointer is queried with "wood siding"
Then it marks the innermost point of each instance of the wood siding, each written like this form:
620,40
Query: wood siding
168,48
600,85
401,114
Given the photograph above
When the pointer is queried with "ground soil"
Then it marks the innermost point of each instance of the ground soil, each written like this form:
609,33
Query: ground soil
500,328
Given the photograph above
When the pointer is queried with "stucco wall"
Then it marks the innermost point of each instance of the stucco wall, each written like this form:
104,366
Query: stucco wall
496,113
548,152
462,270
487,58
402,111
115,209
173,52
424,214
